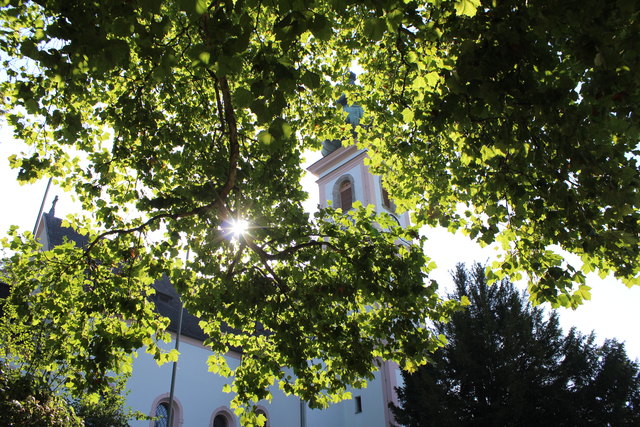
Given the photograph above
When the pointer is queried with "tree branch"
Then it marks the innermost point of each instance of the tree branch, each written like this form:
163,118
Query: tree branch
284,253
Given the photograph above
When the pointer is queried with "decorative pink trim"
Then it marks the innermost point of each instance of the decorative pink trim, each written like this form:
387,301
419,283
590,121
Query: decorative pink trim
368,197
331,160
178,416
336,157
322,195
342,169
389,395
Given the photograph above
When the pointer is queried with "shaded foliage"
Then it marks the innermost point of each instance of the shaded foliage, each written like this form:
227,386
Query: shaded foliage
108,410
28,400
508,363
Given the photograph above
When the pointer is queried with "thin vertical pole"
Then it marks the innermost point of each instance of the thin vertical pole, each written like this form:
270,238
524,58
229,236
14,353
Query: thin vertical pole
175,364
303,414
44,199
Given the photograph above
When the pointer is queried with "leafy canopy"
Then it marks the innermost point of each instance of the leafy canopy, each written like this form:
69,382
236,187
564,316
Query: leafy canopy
513,122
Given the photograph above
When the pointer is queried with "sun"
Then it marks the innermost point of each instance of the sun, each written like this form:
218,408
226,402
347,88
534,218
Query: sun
237,227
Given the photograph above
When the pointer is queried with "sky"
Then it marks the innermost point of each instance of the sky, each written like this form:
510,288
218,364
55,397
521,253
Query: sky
612,312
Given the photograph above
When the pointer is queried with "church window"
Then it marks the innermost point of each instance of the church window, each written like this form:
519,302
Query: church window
222,418
263,412
160,412
358,401
386,200
162,415
220,421
346,195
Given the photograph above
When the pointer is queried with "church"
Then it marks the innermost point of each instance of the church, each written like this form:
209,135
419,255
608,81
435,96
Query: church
198,400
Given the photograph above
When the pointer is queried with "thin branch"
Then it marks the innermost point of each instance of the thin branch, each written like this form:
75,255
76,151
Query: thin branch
218,101
236,259
196,211
284,253
234,146
264,257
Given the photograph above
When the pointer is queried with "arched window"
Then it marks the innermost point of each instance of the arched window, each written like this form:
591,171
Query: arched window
263,412
346,195
386,200
160,412
222,417
162,415
220,421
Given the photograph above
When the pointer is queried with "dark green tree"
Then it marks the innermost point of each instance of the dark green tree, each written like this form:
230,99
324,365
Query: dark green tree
508,363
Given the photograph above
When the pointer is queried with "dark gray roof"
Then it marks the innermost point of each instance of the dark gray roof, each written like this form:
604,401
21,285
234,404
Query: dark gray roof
56,232
167,300
168,305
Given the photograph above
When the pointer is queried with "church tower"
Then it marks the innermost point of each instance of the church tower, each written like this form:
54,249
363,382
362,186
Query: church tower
343,178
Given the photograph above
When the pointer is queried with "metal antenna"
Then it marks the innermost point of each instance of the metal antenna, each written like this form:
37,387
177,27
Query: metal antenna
175,364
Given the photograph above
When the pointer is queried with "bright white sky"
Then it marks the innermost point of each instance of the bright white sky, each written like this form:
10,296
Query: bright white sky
613,311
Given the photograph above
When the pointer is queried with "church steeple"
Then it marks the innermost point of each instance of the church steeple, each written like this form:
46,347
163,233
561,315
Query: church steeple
52,211
343,178
354,114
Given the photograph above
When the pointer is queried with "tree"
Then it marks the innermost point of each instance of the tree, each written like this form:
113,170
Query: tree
27,400
170,118
35,373
109,410
507,363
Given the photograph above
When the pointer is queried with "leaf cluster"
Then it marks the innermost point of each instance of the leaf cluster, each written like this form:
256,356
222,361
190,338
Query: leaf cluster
517,125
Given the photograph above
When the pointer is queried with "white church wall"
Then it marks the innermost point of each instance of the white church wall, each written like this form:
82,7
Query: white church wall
344,413
198,395
197,391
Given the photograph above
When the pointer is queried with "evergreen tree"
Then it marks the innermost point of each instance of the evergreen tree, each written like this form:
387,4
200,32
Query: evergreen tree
507,363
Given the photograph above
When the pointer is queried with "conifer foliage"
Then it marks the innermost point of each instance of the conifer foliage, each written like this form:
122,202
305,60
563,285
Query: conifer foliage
508,363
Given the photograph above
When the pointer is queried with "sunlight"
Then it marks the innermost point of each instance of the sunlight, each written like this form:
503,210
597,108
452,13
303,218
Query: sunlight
237,227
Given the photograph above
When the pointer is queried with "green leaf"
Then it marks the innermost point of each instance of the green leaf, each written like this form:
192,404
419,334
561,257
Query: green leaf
467,7
310,80
193,6
407,115
265,138
374,28
242,97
